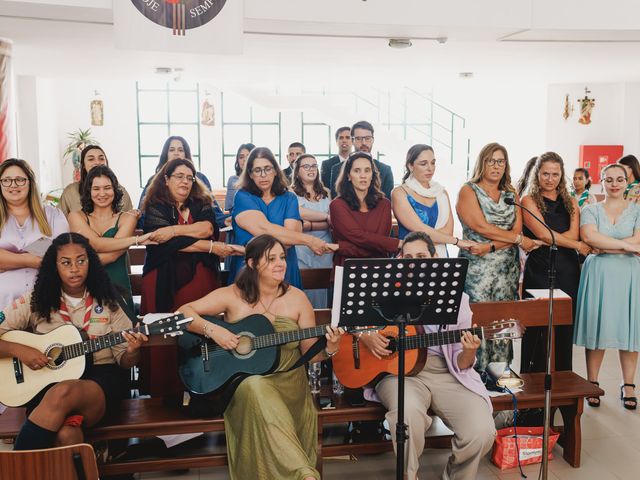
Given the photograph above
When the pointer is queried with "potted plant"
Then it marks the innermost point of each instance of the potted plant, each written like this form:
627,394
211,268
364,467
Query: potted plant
77,141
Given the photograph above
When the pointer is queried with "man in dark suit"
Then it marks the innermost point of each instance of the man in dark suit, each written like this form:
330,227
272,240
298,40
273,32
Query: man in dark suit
343,140
362,137
295,150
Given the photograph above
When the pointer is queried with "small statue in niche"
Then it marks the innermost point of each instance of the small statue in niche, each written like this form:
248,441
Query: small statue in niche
586,106
97,113
568,108
208,114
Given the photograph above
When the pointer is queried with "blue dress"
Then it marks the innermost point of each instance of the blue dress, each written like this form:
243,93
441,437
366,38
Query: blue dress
281,208
608,305
428,215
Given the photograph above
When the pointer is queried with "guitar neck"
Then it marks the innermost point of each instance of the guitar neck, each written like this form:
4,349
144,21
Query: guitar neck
444,337
99,343
279,338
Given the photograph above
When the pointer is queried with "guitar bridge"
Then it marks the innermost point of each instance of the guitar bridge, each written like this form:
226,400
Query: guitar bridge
204,352
356,352
17,370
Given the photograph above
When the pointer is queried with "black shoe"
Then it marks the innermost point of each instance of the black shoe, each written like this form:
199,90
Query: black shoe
630,403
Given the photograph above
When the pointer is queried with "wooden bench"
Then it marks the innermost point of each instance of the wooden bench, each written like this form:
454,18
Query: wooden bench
139,418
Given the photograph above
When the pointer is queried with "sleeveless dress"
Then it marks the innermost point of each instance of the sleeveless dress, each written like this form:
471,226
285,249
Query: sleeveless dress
118,271
308,259
536,276
493,277
429,216
608,305
270,423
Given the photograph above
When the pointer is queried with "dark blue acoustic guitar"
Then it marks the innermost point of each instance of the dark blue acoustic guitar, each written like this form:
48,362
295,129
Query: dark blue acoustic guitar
207,368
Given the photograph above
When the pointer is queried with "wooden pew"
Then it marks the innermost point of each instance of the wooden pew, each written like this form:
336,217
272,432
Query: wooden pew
151,416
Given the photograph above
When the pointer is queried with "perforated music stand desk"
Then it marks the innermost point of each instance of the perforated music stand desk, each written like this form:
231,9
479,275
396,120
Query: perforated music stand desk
393,291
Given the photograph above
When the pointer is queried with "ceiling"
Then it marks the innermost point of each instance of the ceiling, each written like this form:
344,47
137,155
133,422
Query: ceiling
336,41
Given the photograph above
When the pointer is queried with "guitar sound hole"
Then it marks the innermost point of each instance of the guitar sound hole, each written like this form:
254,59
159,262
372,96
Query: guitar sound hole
244,346
57,359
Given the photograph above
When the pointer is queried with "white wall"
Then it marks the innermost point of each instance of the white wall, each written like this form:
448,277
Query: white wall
615,119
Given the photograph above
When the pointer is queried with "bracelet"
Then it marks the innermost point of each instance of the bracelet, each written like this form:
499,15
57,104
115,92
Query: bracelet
518,239
457,240
136,240
310,225
205,332
210,246
174,231
493,247
328,353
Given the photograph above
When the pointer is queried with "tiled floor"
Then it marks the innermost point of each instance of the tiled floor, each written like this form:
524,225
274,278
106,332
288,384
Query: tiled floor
610,447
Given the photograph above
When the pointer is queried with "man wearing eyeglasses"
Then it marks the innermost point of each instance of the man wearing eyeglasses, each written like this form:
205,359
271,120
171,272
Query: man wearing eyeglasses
362,137
343,140
295,150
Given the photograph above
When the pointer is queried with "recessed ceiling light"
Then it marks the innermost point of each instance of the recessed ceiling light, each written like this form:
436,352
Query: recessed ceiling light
400,42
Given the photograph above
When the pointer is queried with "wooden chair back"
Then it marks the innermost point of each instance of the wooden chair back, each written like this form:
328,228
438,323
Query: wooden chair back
75,462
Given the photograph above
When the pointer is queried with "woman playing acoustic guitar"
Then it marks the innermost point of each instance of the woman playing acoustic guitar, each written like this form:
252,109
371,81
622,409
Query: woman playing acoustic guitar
72,287
270,423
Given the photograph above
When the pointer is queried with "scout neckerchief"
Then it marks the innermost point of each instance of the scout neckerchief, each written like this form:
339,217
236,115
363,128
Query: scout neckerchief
88,306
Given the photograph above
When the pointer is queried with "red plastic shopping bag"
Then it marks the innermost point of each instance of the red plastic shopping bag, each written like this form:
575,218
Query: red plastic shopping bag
529,448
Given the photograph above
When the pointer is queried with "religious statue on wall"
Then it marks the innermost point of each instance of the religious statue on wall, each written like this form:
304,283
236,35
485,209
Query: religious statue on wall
208,114
586,106
568,108
97,112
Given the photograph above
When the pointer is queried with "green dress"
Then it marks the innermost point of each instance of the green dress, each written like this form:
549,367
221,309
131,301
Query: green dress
493,277
118,271
270,423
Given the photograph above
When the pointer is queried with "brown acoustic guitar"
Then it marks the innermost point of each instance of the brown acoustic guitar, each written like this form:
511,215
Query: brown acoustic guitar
355,365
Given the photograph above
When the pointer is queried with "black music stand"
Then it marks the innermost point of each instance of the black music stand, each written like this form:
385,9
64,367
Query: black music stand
383,292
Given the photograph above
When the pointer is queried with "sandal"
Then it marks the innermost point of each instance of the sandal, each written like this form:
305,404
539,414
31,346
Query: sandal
630,403
594,401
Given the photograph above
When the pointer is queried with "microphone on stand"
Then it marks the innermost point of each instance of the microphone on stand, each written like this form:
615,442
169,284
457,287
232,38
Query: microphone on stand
510,200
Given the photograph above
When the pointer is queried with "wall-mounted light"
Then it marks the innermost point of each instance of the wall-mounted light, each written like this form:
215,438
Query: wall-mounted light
400,42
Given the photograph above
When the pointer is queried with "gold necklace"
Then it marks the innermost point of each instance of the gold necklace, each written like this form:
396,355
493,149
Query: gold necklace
266,309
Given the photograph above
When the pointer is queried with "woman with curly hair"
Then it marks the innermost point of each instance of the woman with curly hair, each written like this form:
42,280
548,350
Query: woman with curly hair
23,221
361,214
549,198
91,156
102,222
71,288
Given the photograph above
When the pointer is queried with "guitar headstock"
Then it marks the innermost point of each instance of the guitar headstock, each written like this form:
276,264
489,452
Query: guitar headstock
170,326
503,330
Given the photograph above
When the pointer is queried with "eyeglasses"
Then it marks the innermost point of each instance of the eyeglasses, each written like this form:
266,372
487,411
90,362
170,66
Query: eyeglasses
8,181
180,177
262,172
500,162
66,263
309,166
365,139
